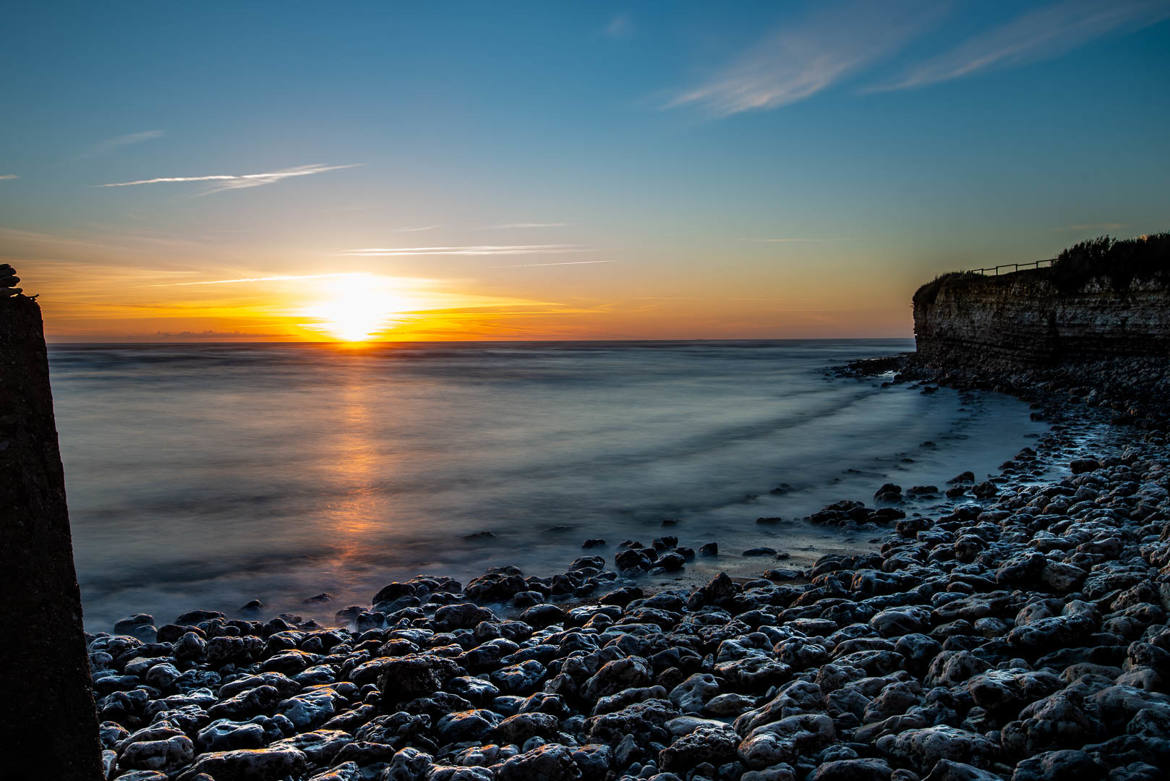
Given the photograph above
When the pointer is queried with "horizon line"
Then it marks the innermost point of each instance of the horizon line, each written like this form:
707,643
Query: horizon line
372,342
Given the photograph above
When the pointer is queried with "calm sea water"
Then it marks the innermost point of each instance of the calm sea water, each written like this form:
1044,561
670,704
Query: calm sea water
208,475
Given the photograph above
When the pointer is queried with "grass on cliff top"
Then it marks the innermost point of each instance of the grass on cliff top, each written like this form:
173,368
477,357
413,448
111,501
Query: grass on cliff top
1120,261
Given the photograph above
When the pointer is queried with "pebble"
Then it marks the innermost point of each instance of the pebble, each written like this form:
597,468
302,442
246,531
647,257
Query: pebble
1018,632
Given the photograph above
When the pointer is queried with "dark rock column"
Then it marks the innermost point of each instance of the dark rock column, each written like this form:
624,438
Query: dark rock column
48,726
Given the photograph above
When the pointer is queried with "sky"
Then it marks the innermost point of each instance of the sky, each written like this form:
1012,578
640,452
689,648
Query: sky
366,170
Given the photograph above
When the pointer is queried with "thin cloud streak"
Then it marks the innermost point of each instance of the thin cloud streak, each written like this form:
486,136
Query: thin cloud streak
237,181
1042,34
509,225
419,229
8,176
481,249
112,144
799,60
562,263
280,278
786,240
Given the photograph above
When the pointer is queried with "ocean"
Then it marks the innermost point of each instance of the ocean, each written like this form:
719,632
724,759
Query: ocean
209,475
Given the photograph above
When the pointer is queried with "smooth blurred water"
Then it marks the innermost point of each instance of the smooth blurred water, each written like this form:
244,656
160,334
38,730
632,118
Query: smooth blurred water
207,475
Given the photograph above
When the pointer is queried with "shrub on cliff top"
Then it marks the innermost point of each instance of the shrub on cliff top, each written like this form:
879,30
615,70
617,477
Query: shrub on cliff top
927,293
1121,261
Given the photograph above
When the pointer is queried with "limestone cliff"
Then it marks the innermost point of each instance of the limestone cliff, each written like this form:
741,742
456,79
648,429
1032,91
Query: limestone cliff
48,726
1074,311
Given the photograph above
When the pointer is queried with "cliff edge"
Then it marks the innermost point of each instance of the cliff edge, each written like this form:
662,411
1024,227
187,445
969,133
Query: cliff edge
48,725
1101,299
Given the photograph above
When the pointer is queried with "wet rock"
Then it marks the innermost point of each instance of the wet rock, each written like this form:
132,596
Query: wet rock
593,760
156,749
347,771
464,615
320,746
552,761
1081,465
522,678
1008,690
729,704
645,719
898,621
1061,577
541,616
466,725
692,694
411,676
495,587
140,625
923,748
225,735
249,702
632,560
456,773
311,708
717,591
778,772
786,740
625,673
949,770
1053,765
520,728
189,647
265,764
867,769
408,764
950,668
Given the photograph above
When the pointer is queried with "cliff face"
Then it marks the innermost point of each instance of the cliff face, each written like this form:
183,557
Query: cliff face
1032,319
48,726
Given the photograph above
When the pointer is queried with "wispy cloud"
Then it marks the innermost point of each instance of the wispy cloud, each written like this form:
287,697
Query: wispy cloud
242,280
562,263
8,176
799,60
418,229
1037,35
223,182
117,142
619,26
212,334
476,249
509,225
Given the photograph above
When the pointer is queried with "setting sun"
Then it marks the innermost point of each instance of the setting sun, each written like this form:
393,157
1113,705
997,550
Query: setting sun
354,307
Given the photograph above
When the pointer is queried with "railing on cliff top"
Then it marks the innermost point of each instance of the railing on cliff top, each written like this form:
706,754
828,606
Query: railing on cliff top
1013,266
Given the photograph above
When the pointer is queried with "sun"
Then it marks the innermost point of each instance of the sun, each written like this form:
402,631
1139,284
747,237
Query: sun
354,307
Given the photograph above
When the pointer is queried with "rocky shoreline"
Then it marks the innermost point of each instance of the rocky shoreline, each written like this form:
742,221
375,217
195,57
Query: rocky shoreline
1021,634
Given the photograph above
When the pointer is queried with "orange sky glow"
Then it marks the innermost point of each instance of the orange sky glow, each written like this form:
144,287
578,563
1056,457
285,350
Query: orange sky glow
145,289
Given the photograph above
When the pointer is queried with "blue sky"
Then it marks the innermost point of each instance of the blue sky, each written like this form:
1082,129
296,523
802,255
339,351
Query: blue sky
636,169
